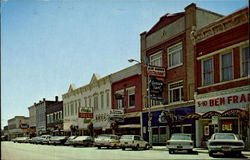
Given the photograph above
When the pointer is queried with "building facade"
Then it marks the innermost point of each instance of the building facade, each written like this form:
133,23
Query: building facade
32,120
18,126
89,104
127,97
222,69
54,116
168,45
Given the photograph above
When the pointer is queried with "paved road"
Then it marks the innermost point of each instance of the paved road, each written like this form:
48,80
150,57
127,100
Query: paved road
18,151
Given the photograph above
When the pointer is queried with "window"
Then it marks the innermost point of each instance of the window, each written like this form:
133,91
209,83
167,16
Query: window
176,92
75,107
85,101
96,102
156,59
245,61
131,97
107,94
102,100
120,98
90,105
72,109
207,72
47,118
226,67
175,55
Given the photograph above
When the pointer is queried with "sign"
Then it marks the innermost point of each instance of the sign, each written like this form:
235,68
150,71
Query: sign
225,100
24,126
227,126
206,130
116,115
85,112
156,86
215,119
156,71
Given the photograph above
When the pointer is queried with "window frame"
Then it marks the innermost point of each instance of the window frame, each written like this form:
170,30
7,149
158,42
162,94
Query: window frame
232,65
155,54
133,88
202,71
241,61
180,92
170,54
120,101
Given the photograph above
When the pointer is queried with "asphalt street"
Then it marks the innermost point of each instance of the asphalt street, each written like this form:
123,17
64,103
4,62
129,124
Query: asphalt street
23,151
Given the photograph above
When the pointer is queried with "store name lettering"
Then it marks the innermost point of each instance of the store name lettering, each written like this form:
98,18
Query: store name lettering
225,100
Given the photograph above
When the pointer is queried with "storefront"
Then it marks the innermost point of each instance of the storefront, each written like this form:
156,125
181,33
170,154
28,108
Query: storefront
160,129
224,111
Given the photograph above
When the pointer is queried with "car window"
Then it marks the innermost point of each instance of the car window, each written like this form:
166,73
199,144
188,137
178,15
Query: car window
127,137
181,137
81,138
224,136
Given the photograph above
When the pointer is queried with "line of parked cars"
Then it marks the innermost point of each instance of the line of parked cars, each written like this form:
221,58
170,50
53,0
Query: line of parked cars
228,143
104,140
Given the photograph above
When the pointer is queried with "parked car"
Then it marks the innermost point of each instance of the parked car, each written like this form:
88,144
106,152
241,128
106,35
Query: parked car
107,140
133,141
34,140
14,139
69,140
83,141
180,141
21,139
228,143
46,139
57,140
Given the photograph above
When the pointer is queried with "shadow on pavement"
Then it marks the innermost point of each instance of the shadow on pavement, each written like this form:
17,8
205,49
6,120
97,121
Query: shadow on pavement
229,156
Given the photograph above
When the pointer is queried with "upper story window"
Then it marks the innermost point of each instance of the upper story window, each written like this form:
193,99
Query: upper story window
107,99
102,100
72,109
85,101
245,61
96,102
120,99
90,104
131,97
175,55
207,71
175,91
226,67
156,59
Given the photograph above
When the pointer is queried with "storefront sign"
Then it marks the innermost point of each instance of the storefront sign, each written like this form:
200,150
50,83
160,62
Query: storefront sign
85,112
156,71
116,115
227,126
225,100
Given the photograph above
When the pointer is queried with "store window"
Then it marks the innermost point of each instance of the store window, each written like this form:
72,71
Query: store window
175,55
176,92
207,72
156,59
131,97
226,67
245,61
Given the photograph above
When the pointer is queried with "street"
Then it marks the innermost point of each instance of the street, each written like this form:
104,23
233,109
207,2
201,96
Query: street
25,151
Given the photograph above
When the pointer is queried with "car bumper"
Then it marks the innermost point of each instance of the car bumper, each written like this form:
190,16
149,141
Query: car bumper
224,149
105,144
179,147
127,145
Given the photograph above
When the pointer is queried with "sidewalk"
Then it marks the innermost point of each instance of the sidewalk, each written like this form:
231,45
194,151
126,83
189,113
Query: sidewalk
199,150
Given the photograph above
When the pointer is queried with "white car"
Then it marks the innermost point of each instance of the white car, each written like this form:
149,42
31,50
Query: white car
180,141
107,140
226,143
133,141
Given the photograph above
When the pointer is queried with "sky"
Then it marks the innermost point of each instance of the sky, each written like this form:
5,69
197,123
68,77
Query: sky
46,45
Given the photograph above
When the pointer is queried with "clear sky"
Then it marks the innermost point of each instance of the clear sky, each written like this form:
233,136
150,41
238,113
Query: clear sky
47,45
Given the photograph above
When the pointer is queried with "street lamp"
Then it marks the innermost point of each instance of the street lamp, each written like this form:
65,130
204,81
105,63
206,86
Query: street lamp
149,104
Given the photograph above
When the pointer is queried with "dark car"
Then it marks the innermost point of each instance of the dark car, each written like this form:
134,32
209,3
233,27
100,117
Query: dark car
69,140
58,140
86,141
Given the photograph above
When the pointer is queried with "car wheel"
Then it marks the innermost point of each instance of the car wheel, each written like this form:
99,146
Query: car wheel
99,147
123,148
210,154
115,146
146,147
190,150
171,151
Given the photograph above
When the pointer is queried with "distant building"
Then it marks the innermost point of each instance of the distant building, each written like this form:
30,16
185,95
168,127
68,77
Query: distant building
54,115
32,122
18,126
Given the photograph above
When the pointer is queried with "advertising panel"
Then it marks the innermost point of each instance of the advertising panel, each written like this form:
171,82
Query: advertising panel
86,112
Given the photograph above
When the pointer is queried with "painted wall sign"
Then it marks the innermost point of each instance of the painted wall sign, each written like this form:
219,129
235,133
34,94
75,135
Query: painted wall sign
85,112
224,100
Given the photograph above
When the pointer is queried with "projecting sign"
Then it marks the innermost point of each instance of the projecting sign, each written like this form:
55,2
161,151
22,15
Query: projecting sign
85,112
156,86
116,115
156,71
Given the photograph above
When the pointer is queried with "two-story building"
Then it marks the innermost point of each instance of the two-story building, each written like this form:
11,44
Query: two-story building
127,97
222,69
168,45
18,126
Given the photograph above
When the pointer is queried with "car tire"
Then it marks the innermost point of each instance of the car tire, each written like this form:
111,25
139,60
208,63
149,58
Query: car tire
115,146
123,148
171,151
190,151
99,147
210,154
146,147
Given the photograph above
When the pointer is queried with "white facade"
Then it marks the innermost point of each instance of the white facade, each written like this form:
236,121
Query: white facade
97,95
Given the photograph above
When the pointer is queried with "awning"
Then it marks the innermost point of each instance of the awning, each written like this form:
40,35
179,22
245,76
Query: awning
130,126
193,116
210,114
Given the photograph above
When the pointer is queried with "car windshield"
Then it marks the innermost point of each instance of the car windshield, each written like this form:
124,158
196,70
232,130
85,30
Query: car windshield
181,137
72,137
224,136
127,137
82,138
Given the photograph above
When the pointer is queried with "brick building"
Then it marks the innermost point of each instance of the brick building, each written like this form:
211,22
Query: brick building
168,44
222,81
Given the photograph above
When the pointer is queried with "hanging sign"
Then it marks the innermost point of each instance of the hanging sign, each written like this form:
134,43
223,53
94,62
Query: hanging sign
156,71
